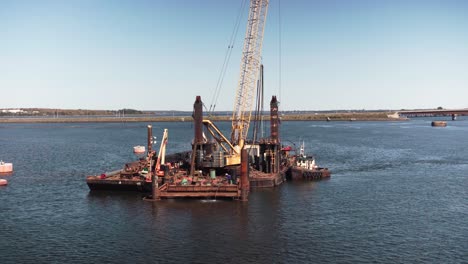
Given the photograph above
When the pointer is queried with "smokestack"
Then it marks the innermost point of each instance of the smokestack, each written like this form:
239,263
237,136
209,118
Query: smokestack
274,120
198,120
150,138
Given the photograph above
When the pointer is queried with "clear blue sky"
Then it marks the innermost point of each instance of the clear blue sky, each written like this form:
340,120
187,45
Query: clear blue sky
158,55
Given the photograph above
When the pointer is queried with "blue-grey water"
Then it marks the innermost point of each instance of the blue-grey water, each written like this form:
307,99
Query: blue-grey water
398,194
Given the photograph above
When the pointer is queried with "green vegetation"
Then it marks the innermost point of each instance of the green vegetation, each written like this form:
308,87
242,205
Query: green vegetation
126,111
337,116
23,112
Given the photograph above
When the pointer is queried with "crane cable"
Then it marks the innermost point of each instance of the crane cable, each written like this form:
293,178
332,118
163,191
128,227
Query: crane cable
279,50
227,57
258,116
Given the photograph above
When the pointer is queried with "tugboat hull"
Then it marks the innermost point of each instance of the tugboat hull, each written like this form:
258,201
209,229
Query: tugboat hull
298,173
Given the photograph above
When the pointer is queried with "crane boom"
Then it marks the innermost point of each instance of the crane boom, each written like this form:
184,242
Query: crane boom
249,71
162,150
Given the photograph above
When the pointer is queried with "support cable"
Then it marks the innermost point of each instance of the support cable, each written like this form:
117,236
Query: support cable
279,50
227,58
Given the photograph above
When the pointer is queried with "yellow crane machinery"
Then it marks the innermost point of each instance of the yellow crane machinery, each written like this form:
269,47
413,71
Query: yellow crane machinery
161,159
247,83
162,151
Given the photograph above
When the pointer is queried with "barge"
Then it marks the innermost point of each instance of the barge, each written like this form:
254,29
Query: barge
206,170
118,182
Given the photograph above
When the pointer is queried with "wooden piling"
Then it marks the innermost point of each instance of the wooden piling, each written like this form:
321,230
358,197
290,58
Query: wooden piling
150,138
155,187
245,184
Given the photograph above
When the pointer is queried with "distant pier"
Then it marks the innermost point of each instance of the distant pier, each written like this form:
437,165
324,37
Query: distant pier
436,112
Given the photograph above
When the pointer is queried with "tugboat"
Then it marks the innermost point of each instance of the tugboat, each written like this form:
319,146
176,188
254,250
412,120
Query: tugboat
305,168
439,124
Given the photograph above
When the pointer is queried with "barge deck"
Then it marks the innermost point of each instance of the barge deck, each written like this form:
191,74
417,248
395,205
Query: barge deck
208,170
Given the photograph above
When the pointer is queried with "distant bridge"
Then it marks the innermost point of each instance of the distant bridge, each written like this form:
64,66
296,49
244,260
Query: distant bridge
436,112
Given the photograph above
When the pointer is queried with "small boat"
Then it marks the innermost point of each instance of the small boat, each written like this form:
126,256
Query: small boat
439,124
6,167
3,182
139,149
305,168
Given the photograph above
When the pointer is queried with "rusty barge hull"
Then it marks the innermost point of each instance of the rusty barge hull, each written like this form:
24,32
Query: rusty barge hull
95,183
166,190
176,191
260,179
257,179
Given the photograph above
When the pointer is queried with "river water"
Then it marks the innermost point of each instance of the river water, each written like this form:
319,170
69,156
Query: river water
398,194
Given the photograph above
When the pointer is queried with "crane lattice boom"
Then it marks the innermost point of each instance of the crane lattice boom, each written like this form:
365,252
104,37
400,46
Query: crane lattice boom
249,71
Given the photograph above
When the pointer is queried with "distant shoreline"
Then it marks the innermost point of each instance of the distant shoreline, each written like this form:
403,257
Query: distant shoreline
375,116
